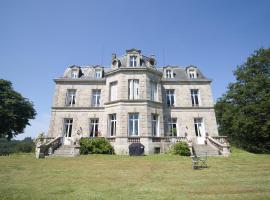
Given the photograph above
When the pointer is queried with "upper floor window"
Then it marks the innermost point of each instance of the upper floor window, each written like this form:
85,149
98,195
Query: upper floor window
133,124
195,99
133,61
74,74
192,73
112,124
133,89
94,127
172,127
113,91
170,97
98,73
153,91
96,98
169,73
154,123
71,98
68,127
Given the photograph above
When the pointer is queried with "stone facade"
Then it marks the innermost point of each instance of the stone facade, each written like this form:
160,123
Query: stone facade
169,103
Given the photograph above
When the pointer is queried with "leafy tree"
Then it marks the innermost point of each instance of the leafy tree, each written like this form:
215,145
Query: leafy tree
15,111
243,112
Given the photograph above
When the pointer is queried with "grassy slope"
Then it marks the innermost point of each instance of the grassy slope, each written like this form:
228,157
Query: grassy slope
242,176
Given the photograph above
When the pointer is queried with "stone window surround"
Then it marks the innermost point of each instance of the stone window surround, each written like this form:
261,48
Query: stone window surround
134,119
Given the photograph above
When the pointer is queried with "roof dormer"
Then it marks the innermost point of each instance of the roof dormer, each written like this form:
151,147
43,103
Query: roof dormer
75,72
133,58
192,72
168,72
98,71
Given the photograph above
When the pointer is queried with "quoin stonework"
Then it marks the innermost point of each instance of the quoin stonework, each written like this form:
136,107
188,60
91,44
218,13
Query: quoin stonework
135,101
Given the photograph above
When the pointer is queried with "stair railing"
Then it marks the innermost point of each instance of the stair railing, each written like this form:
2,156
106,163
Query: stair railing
44,148
221,143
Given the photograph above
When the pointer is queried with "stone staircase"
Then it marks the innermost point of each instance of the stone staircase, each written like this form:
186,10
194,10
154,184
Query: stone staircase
65,151
205,149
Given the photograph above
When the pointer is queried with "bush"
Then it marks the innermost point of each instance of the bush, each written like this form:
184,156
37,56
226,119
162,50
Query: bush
180,148
15,146
95,146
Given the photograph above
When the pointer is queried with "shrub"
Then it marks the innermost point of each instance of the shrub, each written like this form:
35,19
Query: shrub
15,146
180,148
95,146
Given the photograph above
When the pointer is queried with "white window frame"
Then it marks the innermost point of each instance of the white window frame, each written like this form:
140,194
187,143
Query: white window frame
133,118
98,73
133,61
153,91
68,123
170,97
172,123
169,73
133,89
155,125
71,97
113,91
96,96
74,73
199,127
93,127
195,97
112,125
192,74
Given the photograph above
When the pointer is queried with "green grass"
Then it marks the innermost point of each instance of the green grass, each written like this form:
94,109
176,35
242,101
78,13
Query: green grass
241,176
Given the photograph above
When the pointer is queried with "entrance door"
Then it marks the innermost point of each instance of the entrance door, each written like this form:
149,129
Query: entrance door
199,130
67,131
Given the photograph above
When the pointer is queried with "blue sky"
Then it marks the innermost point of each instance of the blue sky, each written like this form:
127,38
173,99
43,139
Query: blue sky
39,39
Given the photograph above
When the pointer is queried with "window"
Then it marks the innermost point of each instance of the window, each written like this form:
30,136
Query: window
169,73
133,124
68,127
172,127
199,127
96,98
112,124
74,74
170,97
194,97
71,98
94,127
133,89
153,91
133,61
113,91
192,73
98,73
154,122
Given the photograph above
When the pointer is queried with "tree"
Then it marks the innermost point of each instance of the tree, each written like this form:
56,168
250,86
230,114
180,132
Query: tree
243,112
15,111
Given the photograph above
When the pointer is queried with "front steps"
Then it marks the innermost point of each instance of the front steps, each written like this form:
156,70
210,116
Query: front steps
205,150
65,151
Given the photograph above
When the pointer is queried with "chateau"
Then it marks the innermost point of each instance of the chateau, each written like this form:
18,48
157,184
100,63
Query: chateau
135,101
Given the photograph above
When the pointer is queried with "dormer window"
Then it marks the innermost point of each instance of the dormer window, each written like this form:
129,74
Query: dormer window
169,73
98,73
74,74
133,61
192,73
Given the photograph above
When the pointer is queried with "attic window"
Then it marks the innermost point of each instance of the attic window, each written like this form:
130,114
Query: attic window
192,73
133,61
74,74
98,73
169,73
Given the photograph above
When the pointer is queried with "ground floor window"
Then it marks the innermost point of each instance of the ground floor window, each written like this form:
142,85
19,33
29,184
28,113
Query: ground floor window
199,127
94,127
154,123
68,127
133,124
172,126
112,124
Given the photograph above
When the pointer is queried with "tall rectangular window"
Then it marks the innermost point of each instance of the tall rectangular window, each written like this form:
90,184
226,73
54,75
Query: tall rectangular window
172,127
133,61
199,127
112,124
71,97
68,127
98,73
113,91
192,74
74,74
154,123
133,124
96,98
195,97
170,97
94,127
169,73
133,89
153,91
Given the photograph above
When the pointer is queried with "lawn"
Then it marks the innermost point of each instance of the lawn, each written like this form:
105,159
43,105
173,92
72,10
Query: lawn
241,176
